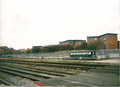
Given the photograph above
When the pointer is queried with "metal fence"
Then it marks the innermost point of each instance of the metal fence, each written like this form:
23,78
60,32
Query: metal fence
99,54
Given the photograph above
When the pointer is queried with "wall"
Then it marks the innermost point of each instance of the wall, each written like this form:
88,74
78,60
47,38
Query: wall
99,54
112,42
93,40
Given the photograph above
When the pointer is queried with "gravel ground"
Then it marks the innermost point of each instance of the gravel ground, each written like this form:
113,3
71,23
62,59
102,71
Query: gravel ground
46,68
111,61
16,80
20,81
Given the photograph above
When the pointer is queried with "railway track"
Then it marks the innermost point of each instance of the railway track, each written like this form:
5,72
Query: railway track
24,72
59,65
44,83
39,71
44,76
4,83
71,66
34,69
28,76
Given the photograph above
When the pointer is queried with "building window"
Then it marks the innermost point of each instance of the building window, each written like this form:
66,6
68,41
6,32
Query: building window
90,40
70,43
105,42
104,38
100,38
105,47
95,38
66,43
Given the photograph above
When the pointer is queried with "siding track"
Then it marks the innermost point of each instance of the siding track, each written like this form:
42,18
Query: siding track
41,75
4,83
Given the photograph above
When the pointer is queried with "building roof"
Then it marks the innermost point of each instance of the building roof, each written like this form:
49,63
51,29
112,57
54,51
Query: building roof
2,47
92,36
73,41
36,46
107,34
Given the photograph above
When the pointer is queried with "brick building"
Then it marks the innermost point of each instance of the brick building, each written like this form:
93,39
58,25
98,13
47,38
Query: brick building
109,40
72,42
6,50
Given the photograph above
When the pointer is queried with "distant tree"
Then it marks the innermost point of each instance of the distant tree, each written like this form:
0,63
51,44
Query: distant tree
54,48
28,50
76,47
51,48
36,50
63,47
83,45
69,47
95,45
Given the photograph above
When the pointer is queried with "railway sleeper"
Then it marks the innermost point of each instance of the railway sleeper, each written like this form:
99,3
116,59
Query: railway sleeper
78,64
6,83
26,72
18,75
67,67
34,70
45,70
63,66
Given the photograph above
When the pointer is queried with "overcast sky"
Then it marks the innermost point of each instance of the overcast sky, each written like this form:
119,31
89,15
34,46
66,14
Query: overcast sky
27,23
